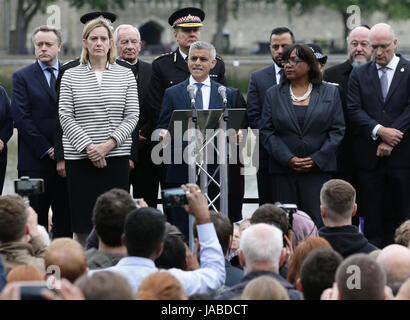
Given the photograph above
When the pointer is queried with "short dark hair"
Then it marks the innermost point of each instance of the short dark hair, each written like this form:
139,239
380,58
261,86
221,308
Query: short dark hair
338,198
173,253
282,30
144,230
372,278
223,227
318,272
48,29
13,218
271,214
306,54
109,214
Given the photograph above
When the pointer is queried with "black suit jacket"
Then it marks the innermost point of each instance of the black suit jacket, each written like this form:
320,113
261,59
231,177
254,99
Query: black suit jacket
319,137
340,74
259,83
366,109
35,113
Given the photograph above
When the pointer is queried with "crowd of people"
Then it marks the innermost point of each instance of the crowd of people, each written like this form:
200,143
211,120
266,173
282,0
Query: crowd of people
332,142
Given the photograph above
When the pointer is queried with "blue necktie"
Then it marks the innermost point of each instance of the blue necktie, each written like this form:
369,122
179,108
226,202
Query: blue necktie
198,96
52,78
280,75
384,83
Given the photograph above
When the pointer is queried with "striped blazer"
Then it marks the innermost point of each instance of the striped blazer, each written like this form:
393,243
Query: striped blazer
90,113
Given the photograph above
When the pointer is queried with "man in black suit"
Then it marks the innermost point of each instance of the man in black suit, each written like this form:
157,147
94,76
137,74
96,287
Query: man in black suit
128,41
378,106
260,82
359,53
34,110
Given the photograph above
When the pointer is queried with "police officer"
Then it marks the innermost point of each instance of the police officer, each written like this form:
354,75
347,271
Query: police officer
172,68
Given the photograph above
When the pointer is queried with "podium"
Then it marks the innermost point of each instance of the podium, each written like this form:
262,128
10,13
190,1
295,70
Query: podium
200,128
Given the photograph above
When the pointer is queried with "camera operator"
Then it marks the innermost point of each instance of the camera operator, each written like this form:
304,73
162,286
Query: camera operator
144,232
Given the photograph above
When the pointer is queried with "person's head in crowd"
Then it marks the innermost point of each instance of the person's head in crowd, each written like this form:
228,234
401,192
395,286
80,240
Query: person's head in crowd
383,42
128,41
187,23
173,253
360,277
47,43
98,42
68,255
320,57
271,214
358,45
144,233
243,225
235,239
201,59
105,285
109,214
395,260
402,234
280,39
301,252
264,288
224,231
161,286
338,203
318,272
300,65
261,248
24,272
13,219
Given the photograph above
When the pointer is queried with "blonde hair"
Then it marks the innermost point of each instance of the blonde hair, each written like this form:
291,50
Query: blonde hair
161,286
90,26
264,288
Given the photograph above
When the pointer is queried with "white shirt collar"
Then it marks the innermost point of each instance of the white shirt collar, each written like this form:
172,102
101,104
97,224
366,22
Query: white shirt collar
392,65
207,81
277,68
184,56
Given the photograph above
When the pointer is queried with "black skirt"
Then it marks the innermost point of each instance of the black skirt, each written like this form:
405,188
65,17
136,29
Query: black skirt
87,182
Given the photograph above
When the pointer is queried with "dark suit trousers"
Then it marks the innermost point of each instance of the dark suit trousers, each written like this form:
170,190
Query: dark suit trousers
302,189
56,196
3,165
385,202
145,176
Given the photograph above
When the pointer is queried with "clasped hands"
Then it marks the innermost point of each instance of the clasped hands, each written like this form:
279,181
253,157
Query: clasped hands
301,164
391,137
97,152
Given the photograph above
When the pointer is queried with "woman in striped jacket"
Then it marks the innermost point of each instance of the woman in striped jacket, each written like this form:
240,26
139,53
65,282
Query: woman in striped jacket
98,111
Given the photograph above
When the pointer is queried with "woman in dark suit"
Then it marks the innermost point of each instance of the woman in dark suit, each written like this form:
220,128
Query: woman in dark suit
302,127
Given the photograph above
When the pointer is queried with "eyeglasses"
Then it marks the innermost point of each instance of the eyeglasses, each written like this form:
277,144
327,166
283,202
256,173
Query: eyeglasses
363,44
381,46
195,58
276,46
292,62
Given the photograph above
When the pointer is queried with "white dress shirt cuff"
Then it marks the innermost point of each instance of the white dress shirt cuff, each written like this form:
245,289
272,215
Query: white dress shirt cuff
374,132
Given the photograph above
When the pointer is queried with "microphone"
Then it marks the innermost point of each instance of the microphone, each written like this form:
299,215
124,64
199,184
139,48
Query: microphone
191,91
222,92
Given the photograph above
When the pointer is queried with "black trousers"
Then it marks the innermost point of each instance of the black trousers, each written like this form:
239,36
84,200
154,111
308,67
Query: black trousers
87,182
302,189
385,202
145,177
55,195
266,191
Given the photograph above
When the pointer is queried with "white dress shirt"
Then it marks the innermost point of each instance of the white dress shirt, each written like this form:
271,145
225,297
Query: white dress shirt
205,280
277,72
206,90
391,69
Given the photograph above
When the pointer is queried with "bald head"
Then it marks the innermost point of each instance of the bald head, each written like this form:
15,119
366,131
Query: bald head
359,46
395,259
383,43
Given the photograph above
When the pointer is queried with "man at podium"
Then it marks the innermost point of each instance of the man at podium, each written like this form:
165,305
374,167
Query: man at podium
201,59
